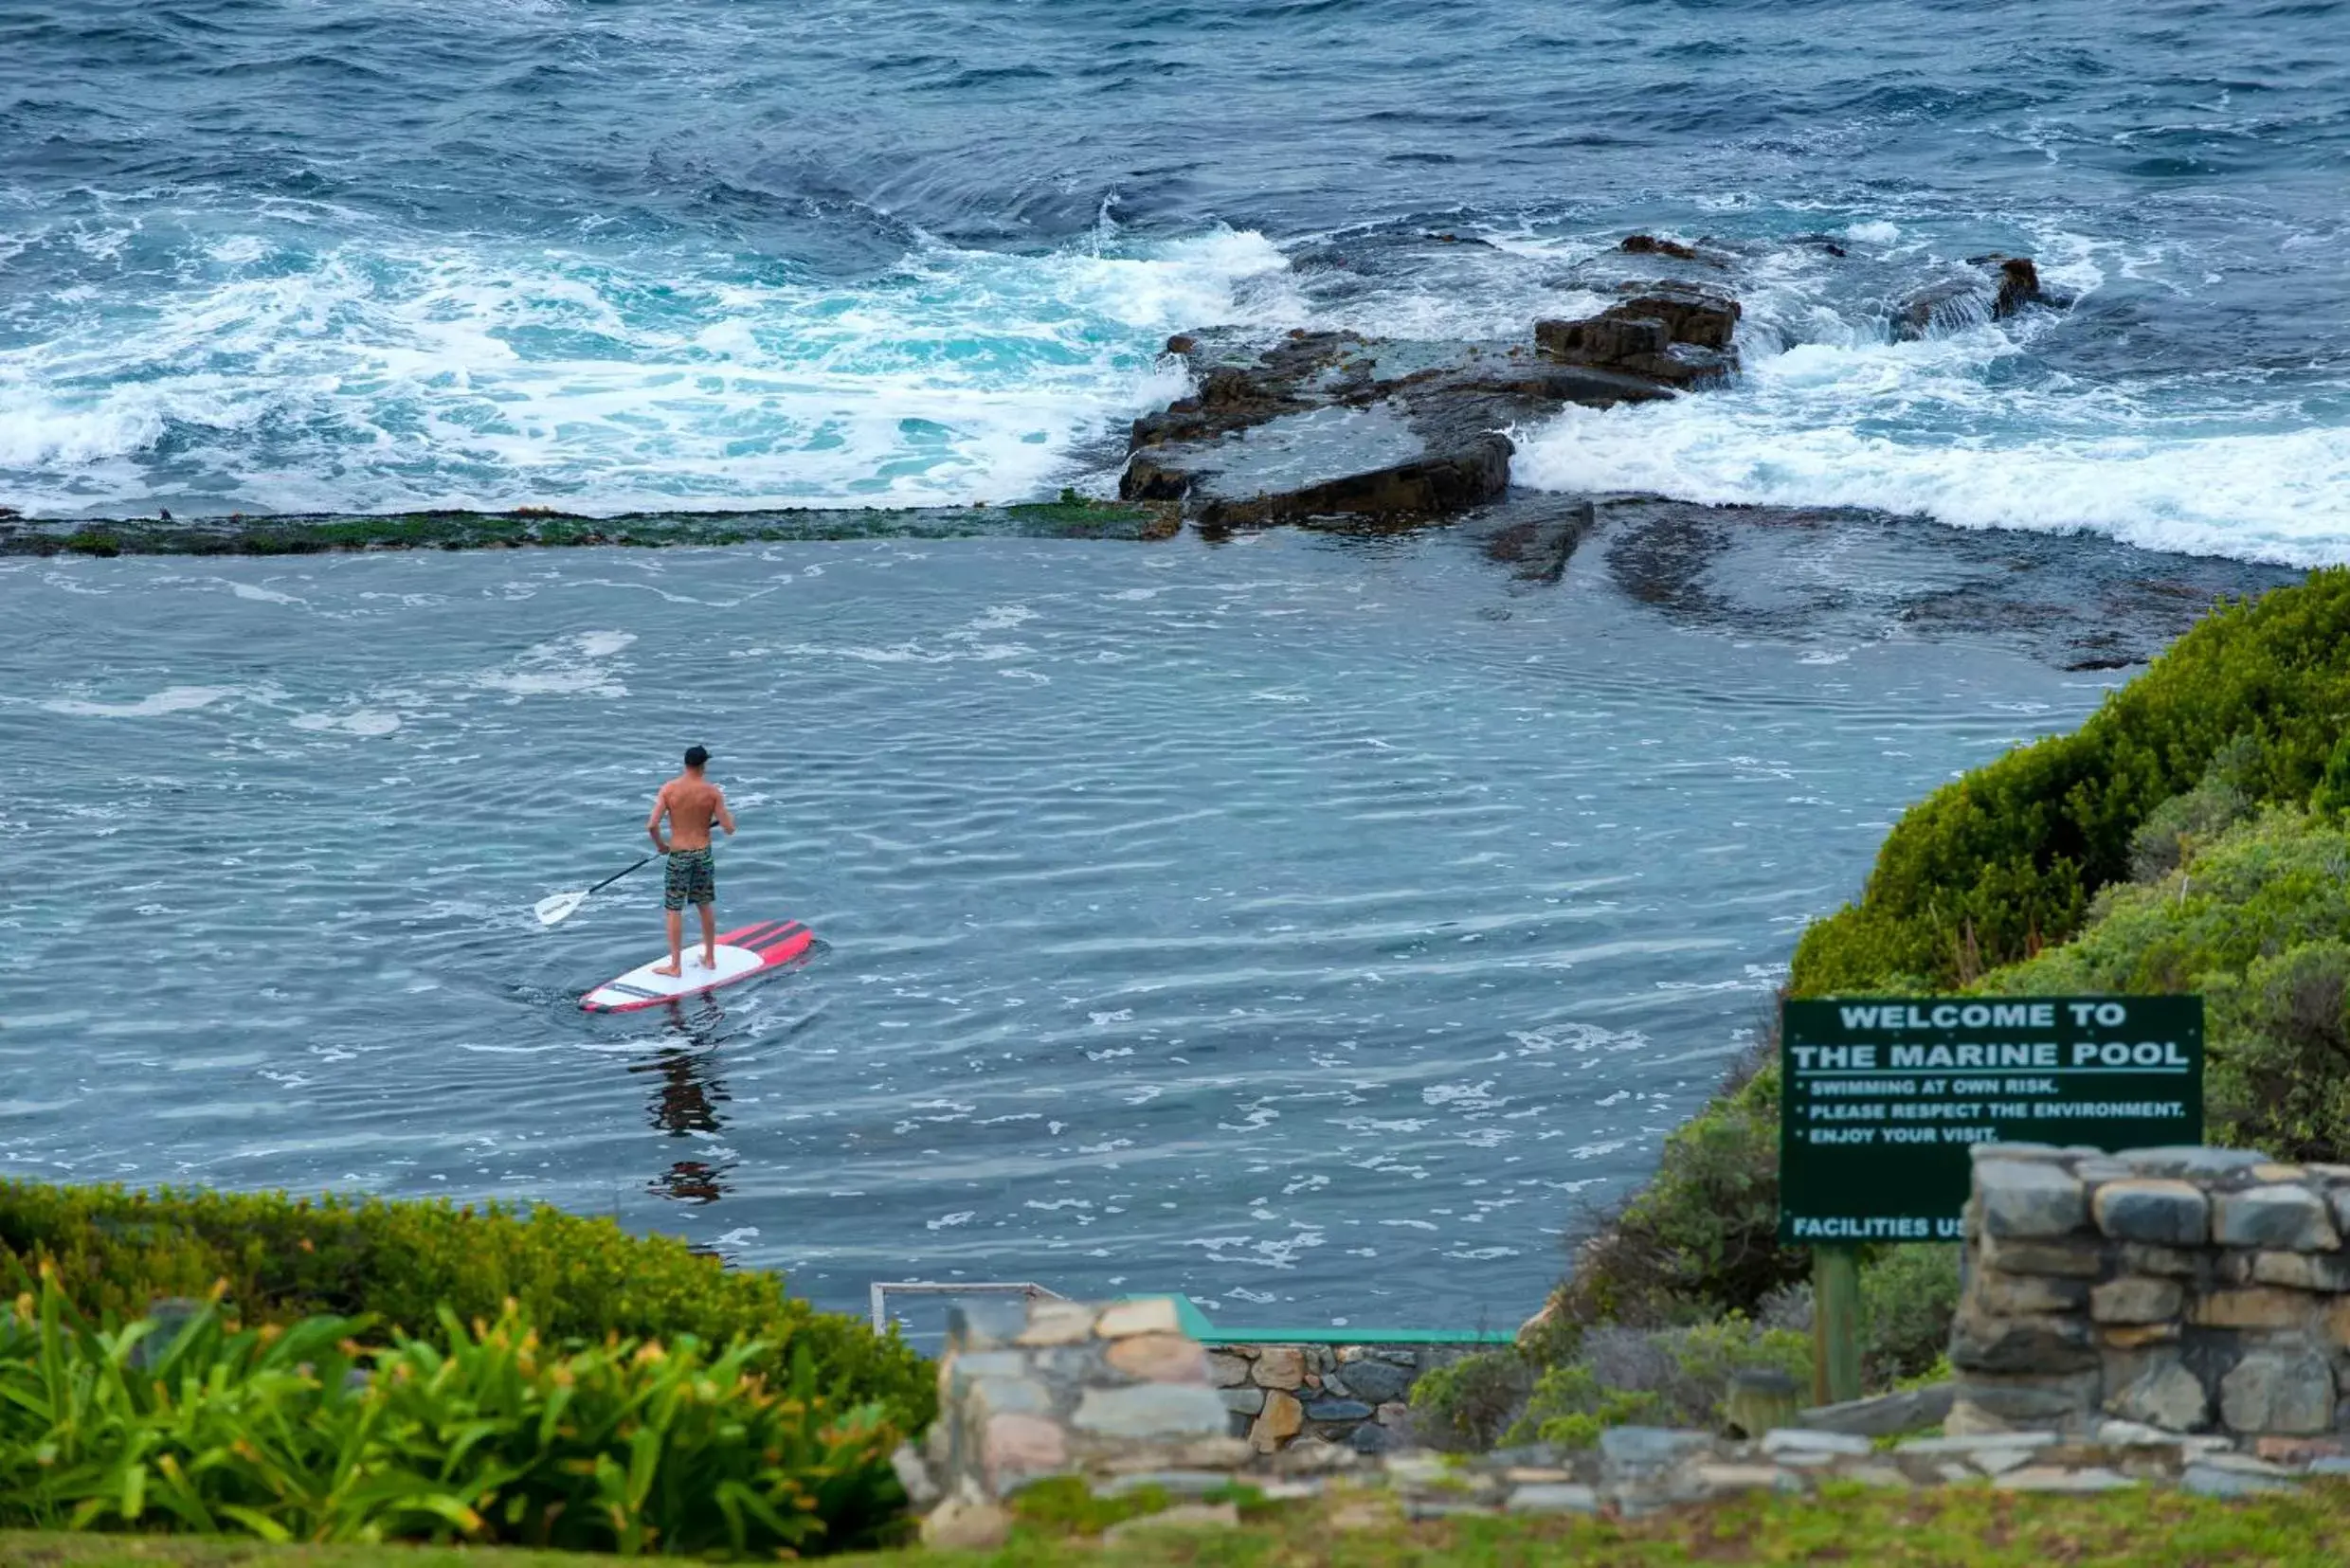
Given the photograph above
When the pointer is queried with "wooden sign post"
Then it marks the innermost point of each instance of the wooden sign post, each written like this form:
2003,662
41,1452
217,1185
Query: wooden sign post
1836,1325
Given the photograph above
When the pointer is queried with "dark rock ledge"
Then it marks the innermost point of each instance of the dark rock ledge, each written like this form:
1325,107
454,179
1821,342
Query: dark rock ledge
1329,425
1073,516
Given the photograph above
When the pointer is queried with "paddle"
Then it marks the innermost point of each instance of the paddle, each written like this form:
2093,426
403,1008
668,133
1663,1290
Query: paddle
559,906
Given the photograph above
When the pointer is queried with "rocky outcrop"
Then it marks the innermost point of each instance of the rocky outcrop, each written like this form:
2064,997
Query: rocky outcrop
1677,335
1337,425
1996,288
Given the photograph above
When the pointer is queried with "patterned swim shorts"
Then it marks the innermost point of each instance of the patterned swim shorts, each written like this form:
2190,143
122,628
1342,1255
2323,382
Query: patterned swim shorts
693,879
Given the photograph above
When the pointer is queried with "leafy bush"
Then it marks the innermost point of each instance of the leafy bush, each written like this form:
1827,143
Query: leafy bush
2258,919
1467,1404
2003,862
488,1435
2174,830
1672,1377
286,1259
1908,1297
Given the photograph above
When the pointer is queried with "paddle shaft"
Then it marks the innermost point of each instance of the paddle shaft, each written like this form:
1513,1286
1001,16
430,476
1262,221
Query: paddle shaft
618,874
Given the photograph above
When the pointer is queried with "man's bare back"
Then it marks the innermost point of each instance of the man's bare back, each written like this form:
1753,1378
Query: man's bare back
691,804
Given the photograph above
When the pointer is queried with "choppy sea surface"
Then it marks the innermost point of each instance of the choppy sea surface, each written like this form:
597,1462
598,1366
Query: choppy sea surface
278,255
1314,925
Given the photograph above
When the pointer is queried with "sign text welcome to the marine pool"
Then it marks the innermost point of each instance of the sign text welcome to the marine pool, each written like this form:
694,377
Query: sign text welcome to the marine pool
1881,1099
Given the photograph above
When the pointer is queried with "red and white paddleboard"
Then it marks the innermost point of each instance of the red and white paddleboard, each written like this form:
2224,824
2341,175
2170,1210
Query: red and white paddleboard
742,954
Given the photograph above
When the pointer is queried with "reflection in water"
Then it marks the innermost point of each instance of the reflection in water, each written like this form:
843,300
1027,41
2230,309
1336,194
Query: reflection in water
685,1102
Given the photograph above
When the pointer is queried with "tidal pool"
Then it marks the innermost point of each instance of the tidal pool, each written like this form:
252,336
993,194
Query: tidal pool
1311,924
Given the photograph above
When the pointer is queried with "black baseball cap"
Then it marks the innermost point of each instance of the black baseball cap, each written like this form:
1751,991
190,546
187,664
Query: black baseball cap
695,756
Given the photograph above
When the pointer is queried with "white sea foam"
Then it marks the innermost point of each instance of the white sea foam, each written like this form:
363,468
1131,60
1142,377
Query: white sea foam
601,645
382,371
362,721
1943,429
567,666
172,699
423,375
1964,429
1798,434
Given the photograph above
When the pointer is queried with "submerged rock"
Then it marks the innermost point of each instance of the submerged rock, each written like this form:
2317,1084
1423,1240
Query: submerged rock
1998,287
1650,245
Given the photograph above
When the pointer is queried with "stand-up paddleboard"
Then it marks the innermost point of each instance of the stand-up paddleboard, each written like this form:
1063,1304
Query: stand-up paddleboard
742,954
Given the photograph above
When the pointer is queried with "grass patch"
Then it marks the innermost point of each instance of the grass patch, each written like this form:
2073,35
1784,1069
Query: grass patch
1955,1528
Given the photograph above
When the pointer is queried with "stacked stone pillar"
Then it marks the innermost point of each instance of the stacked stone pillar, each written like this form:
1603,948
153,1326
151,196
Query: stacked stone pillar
2190,1290
1072,1386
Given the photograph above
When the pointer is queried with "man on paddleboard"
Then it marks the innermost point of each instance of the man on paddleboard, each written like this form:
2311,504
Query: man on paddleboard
690,802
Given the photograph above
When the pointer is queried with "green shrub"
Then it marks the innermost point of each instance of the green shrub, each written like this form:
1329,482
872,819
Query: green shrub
1570,1408
1672,1377
2003,862
2174,830
1909,1294
285,1259
1702,1237
486,1437
1467,1404
2258,921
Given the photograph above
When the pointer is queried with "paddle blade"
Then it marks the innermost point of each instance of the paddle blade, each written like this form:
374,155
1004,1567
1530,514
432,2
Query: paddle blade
557,907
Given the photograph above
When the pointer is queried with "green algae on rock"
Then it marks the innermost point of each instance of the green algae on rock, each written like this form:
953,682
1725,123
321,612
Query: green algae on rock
1071,516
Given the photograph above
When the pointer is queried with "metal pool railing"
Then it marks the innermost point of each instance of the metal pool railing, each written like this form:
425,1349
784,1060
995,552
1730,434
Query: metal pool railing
1194,1323
882,1289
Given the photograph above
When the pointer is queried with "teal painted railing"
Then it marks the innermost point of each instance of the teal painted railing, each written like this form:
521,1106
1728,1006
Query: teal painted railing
1207,1331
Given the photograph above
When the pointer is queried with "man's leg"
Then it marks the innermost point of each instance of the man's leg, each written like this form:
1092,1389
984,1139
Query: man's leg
675,919
710,936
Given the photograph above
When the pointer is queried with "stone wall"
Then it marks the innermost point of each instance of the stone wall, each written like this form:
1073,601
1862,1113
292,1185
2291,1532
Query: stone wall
1352,1394
2073,1258
1050,1387
2189,1289
1059,1387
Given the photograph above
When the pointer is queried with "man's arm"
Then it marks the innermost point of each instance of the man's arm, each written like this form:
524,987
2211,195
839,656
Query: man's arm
652,823
726,818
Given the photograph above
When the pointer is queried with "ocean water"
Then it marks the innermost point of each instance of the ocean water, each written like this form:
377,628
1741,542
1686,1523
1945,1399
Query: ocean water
280,254
1317,926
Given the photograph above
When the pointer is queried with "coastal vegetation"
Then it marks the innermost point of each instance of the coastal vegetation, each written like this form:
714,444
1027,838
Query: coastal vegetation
2190,836
2006,862
401,1263
325,1370
480,1433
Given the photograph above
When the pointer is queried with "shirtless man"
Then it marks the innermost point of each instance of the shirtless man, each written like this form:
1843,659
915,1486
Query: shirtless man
690,802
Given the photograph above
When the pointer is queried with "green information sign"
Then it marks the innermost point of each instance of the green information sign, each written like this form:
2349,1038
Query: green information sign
1881,1098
